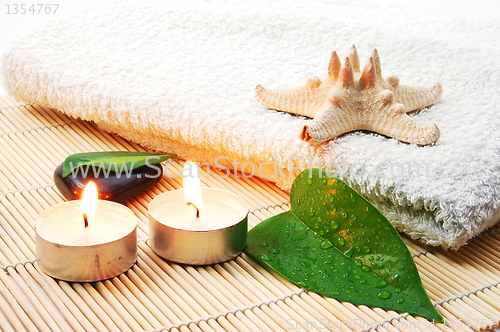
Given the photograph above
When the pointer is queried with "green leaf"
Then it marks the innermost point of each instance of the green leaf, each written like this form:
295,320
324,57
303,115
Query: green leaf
335,243
113,160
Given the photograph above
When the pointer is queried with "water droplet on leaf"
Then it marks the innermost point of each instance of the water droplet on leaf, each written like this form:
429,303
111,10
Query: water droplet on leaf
265,258
274,251
381,283
349,252
352,198
384,295
326,245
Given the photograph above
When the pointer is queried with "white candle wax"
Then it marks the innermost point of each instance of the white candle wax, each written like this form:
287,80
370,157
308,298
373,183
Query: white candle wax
218,211
219,234
64,224
68,250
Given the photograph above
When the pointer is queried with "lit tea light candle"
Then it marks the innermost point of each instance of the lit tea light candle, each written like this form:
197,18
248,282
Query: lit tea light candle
86,240
198,226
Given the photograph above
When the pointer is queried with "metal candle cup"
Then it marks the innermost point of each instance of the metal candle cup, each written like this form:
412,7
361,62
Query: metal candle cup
219,234
69,251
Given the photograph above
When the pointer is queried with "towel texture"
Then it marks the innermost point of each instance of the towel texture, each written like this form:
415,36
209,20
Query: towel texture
179,77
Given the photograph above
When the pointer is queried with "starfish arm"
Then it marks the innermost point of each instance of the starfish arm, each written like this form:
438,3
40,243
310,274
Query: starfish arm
329,124
416,97
399,125
305,100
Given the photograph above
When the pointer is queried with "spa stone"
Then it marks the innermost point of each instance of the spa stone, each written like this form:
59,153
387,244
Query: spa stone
113,186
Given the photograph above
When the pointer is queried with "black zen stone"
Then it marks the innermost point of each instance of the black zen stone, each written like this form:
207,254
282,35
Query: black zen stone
112,186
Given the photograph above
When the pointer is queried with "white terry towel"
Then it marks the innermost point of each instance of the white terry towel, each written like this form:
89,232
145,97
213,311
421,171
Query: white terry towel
179,77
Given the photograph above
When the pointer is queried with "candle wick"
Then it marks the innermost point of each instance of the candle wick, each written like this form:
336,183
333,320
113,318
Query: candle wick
85,220
197,210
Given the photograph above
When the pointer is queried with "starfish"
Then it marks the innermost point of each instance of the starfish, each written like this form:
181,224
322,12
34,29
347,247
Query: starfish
349,100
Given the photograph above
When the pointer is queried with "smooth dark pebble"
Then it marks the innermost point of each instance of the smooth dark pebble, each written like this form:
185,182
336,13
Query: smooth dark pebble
113,188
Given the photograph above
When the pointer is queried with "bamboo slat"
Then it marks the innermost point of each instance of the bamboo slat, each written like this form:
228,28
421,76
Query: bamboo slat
156,295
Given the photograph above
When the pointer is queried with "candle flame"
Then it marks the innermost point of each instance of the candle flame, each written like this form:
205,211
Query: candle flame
191,184
89,200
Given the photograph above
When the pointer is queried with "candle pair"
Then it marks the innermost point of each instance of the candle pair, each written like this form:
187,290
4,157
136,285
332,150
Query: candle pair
78,242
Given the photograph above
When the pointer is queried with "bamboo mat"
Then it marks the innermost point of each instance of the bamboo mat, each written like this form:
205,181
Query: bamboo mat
156,295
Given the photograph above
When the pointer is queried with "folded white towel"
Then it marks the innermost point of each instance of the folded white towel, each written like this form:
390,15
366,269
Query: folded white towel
179,77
